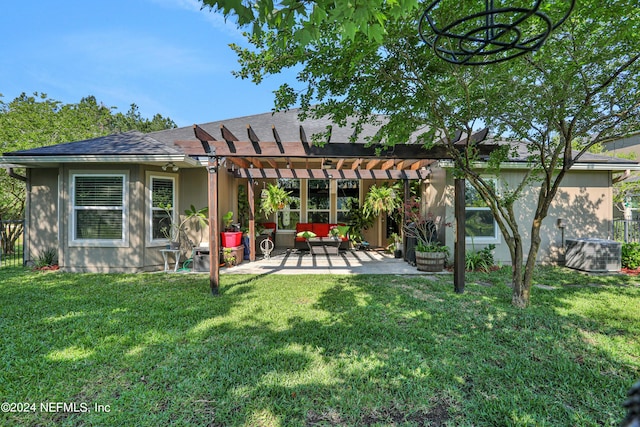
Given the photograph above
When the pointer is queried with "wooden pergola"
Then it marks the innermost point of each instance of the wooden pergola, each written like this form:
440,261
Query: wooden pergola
255,159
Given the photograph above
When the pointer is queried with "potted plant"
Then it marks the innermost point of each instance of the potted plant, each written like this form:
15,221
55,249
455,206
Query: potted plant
231,236
397,245
382,199
431,255
174,230
228,221
273,198
229,257
358,222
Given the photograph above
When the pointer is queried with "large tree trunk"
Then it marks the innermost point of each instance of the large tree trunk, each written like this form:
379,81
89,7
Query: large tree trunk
531,259
520,296
547,193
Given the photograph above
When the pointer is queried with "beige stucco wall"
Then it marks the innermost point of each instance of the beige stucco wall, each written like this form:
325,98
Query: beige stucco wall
584,202
49,211
41,212
435,198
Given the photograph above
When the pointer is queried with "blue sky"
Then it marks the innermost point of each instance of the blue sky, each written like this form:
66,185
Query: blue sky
166,56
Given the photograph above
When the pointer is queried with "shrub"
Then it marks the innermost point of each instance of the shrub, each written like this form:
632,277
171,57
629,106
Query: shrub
47,258
631,255
481,260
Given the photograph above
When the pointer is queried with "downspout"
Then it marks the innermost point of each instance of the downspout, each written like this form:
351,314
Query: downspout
12,174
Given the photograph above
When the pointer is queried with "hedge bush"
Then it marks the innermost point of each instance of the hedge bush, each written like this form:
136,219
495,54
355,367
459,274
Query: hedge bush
631,255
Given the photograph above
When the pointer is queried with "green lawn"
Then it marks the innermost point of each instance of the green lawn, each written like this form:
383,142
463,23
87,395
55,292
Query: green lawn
276,350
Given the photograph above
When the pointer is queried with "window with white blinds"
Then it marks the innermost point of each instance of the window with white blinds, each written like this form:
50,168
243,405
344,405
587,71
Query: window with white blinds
162,207
98,204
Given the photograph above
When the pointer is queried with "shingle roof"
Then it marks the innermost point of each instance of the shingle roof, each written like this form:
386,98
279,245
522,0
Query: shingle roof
522,154
286,123
127,143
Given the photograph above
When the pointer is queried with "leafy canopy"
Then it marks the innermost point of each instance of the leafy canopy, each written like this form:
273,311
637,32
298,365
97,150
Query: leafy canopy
579,89
31,121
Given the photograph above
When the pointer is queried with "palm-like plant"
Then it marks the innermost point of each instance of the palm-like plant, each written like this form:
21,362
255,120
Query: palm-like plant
273,198
382,199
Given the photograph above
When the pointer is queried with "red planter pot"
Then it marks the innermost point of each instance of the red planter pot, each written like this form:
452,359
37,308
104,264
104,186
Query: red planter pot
231,239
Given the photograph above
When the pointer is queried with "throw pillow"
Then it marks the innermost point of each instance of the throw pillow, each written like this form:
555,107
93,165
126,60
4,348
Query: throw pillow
306,234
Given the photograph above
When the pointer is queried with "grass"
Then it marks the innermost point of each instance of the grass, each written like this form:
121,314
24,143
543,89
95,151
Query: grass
276,350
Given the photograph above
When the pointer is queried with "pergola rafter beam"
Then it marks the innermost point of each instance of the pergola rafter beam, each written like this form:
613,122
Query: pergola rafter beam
372,163
335,150
388,164
271,162
227,135
332,174
420,164
255,162
239,162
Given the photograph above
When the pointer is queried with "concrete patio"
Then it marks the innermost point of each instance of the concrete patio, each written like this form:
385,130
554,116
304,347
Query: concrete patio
347,262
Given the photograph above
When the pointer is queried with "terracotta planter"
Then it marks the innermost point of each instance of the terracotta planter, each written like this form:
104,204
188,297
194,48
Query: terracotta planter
430,261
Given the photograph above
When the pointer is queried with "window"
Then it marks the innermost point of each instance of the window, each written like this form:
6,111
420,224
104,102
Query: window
318,201
162,203
480,225
348,193
99,209
289,216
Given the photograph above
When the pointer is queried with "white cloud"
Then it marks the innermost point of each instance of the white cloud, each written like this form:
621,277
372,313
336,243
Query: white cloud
216,19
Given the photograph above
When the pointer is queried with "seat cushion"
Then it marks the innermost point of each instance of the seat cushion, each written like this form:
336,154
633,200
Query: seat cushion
304,226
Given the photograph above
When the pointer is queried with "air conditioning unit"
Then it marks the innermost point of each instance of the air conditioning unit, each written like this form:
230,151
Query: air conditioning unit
593,255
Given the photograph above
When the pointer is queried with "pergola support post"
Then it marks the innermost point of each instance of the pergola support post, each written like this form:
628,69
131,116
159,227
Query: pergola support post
252,221
405,218
214,245
459,243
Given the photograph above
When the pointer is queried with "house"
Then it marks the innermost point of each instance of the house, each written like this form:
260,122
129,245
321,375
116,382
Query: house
98,201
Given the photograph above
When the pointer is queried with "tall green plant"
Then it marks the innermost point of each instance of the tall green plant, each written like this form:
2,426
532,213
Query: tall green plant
176,229
273,198
383,199
358,222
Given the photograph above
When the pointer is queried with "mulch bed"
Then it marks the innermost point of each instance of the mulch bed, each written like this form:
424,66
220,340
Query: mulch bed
47,268
631,272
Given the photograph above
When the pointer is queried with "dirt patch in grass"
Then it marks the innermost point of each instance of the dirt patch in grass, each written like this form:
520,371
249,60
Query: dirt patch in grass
435,416
329,417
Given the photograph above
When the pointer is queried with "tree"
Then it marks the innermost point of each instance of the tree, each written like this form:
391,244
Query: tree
37,121
580,86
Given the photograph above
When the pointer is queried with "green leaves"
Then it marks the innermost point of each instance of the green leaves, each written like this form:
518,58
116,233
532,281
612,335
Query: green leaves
31,121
